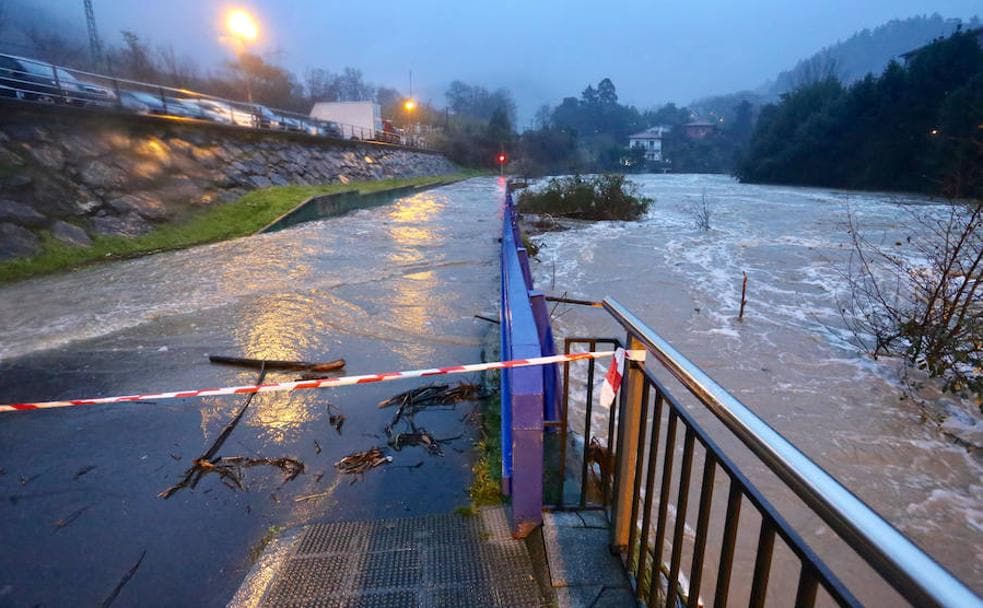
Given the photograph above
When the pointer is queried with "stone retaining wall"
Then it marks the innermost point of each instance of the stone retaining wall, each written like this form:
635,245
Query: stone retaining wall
76,174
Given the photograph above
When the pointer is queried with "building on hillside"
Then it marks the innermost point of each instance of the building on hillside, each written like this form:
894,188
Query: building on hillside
699,129
649,140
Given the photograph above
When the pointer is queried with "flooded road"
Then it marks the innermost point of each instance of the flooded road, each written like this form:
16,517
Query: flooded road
387,288
789,360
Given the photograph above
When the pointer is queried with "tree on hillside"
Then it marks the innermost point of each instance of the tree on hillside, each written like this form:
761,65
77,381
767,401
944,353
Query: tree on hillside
263,82
668,115
606,93
477,102
135,58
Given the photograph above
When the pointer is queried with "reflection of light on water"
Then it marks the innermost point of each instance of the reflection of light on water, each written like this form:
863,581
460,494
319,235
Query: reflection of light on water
413,220
419,208
414,303
280,327
415,300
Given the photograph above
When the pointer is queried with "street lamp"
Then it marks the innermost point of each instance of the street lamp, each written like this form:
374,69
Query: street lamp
409,105
242,29
241,26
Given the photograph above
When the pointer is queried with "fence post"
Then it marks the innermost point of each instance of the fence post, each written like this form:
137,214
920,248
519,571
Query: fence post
527,449
629,424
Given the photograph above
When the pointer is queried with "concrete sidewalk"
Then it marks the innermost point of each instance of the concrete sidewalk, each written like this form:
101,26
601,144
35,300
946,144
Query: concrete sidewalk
580,570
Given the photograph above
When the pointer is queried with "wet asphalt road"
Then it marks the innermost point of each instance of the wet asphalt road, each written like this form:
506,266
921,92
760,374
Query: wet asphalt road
389,288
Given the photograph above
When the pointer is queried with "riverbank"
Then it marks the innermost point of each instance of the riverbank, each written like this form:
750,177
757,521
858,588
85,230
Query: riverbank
242,217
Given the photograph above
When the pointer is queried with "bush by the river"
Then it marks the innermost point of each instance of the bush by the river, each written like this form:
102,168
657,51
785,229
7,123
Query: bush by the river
604,197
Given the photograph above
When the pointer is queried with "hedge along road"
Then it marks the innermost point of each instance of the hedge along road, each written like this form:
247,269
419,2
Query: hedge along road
388,288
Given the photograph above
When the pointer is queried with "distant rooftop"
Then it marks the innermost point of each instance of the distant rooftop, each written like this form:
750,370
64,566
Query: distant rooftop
650,133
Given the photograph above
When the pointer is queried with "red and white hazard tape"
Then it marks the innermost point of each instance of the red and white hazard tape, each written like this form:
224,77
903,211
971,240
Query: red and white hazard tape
326,382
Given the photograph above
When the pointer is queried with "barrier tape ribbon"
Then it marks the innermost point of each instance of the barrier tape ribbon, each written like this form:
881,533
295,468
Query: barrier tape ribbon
322,383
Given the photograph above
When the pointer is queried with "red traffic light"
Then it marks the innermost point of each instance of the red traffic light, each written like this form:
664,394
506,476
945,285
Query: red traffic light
501,159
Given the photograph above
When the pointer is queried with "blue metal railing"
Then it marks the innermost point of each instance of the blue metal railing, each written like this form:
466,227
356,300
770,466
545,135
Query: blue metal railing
529,395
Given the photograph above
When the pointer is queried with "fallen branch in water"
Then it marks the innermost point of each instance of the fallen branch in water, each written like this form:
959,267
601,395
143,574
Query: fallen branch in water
740,315
440,394
66,521
229,468
358,463
126,578
335,418
420,437
313,496
325,366
203,463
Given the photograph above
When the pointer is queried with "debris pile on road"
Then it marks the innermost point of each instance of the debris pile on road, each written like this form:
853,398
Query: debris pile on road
357,463
434,394
229,468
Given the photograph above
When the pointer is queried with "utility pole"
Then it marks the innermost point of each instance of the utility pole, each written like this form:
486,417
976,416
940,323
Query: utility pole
95,46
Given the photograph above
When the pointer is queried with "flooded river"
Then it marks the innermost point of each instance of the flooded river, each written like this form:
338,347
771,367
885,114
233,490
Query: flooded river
388,288
789,360
395,287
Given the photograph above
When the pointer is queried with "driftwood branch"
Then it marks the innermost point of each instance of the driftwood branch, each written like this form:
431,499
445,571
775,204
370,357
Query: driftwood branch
272,364
740,315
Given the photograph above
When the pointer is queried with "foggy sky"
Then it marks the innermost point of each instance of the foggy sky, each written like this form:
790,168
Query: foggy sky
543,50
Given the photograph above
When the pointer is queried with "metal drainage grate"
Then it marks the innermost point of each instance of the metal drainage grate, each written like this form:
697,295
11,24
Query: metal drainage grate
434,561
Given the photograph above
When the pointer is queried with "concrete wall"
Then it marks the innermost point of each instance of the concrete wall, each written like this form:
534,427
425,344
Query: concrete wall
77,173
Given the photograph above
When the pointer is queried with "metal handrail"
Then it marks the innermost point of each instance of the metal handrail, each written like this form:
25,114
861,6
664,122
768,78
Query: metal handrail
904,565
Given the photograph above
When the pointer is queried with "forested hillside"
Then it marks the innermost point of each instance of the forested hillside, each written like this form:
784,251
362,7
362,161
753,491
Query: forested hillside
915,127
868,51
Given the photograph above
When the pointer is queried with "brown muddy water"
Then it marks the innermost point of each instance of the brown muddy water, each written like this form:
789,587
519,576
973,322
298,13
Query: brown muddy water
790,360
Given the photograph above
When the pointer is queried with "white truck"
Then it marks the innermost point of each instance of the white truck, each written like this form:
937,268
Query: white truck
355,119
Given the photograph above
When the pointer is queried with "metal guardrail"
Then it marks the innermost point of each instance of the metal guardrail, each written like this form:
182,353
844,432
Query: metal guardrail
639,482
34,81
528,394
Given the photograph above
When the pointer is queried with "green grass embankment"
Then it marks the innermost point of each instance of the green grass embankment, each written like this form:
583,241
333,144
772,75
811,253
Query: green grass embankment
239,218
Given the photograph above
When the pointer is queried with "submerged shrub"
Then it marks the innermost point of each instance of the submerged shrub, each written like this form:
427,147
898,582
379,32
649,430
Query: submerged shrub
605,197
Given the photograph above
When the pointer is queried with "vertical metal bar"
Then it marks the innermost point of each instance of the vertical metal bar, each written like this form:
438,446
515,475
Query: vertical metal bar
660,526
805,595
628,438
589,406
702,522
610,447
649,487
682,500
54,72
637,486
566,420
728,544
762,564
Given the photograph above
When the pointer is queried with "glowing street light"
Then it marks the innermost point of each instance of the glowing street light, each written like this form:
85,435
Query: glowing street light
241,26
409,105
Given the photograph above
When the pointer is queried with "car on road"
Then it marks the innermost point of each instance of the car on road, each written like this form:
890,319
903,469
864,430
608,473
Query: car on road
24,78
84,93
186,108
141,103
226,113
267,118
